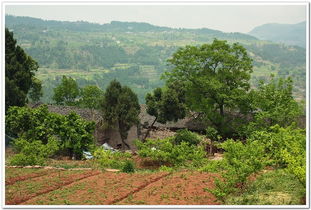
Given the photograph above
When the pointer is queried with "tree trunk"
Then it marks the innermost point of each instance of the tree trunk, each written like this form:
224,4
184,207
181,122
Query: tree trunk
148,131
211,148
126,144
221,110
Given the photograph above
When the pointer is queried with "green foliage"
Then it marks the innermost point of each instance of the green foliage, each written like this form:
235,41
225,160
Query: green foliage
287,147
282,146
108,159
215,166
275,187
33,152
66,92
19,73
90,97
241,160
187,136
167,104
165,151
216,78
35,92
212,134
274,104
128,167
166,169
75,134
120,108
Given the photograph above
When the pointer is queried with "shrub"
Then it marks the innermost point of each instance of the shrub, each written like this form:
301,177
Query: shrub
214,166
108,159
166,169
241,160
165,151
286,147
33,153
75,133
187,136
128,167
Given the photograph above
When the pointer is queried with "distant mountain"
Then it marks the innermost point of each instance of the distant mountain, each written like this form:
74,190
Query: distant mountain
290,34
113,26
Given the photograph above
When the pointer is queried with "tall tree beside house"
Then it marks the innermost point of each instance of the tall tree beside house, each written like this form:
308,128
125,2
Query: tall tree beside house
67,92
120,108
19,73
216,78
166,104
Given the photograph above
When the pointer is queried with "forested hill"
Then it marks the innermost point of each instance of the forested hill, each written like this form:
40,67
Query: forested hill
135,53
114,26
291,34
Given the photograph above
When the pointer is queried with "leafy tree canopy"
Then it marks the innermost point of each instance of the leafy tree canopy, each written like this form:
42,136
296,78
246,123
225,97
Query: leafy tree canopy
216,78
90,97
66,92
274,104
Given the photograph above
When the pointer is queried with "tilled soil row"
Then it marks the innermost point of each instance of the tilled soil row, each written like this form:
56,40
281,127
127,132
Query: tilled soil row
138,189
13,180
103,189
67,181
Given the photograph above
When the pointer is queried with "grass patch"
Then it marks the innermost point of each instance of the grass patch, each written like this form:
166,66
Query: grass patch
277,187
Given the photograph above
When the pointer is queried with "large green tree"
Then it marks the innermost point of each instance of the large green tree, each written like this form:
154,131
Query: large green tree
216,78
120,108
66,92
19,73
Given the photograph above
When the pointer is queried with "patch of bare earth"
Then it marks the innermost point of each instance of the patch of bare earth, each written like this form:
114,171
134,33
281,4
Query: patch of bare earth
105,189
181,188
22,191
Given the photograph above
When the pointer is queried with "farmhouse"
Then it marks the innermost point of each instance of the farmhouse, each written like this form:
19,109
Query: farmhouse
112,136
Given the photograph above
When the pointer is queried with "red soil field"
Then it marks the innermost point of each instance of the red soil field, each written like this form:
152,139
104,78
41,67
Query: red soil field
24,190
111,188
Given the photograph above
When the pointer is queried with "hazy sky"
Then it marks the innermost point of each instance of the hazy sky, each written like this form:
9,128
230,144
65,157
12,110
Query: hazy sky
227,18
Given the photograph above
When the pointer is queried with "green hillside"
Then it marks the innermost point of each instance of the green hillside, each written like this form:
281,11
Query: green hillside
135,53
290,34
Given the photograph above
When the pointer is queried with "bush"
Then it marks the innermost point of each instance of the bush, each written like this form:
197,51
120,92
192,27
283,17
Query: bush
214,166
128,167
75,133
108,159
286,147
166,169
241,160
165,151
33,153
187,136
